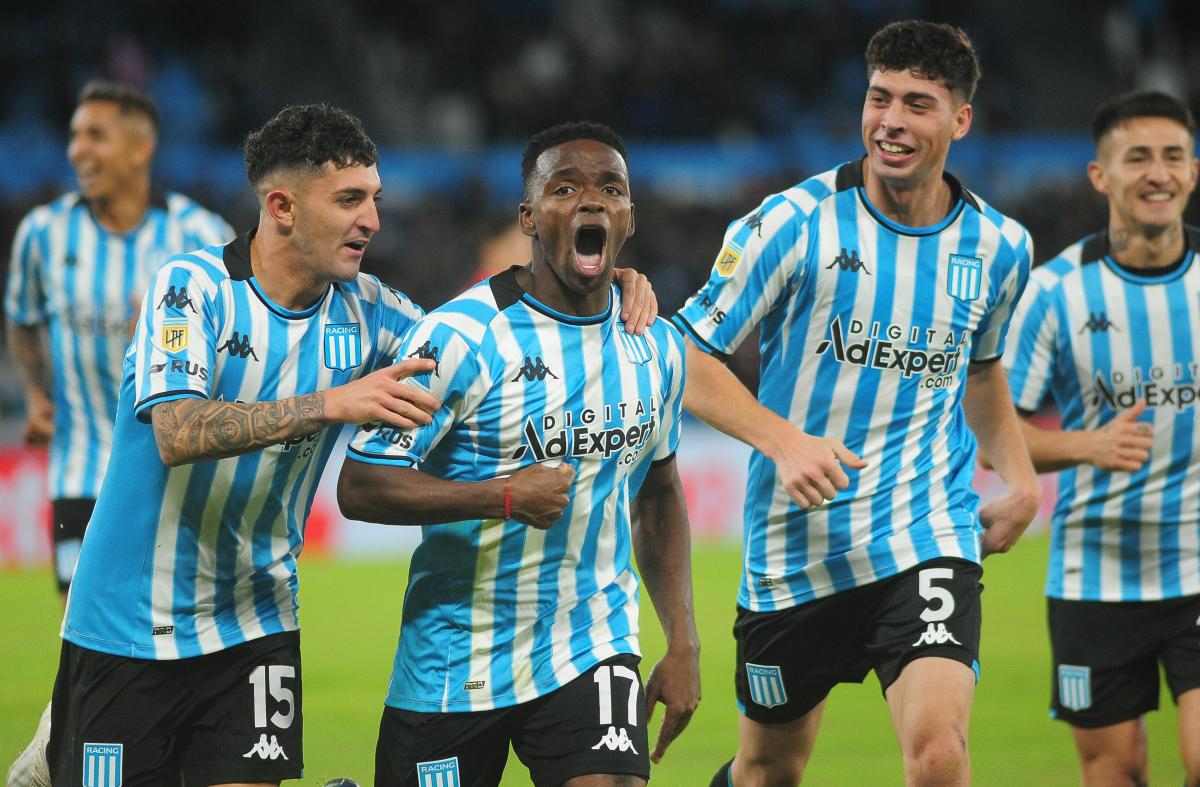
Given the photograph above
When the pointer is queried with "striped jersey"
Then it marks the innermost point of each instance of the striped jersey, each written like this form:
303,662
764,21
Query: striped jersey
1097,337
183,561
867,328
83,281
497,613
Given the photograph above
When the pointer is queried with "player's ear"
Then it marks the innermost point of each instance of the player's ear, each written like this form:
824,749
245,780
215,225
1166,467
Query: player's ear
525,220
281,206
1095,172
962,121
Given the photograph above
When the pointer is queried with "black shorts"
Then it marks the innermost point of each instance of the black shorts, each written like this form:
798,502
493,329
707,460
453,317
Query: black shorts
594,724
789,660
230,716
71,516
1106,655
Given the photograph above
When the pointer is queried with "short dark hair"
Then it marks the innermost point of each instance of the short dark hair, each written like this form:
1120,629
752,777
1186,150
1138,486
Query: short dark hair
1139,104
127,97
542,141
938,52
305,137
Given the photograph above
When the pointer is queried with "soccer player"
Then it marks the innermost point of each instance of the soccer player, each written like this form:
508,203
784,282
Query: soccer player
883,290
1110,329
181,643
79,266
521,613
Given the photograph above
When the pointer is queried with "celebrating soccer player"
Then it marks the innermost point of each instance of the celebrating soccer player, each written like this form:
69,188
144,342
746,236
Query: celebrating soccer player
521,616
1110,329
79,266
883,290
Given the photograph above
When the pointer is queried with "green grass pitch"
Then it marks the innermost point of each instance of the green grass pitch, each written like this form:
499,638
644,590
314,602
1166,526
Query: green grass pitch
351,614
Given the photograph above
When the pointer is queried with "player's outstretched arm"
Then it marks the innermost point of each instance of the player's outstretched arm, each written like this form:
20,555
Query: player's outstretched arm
26,347
1121,445
810,467
639,305
395,495
990,414
662,544
194,430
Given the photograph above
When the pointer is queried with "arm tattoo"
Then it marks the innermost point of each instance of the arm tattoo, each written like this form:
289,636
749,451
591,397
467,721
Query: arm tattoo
193,430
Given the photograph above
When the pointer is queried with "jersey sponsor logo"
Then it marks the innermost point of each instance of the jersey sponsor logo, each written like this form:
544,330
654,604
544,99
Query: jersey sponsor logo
89,322
266,749
343,350
238,346
728,259
534,369
1074,687
474,685
766,685
636,348
176,298
714,312
553,441
439,773
175,336
1098,322
1160,386
848,261
103,764
964,277
390,434
181,366
935,634
882,348
428,352
616,741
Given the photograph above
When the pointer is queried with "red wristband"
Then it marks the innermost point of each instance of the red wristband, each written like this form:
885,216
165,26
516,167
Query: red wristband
507,499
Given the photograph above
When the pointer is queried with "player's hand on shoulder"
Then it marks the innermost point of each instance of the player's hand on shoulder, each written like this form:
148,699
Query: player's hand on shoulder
538,494
639,304
812,468
675,682
383,396
1005,518
1124,443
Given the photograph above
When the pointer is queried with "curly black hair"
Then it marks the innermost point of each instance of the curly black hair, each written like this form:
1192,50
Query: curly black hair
305,137
938,52
127,97
1139,104
542,141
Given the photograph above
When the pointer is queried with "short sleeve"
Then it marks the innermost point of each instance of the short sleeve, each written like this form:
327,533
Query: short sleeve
988,339
1029,357
24,297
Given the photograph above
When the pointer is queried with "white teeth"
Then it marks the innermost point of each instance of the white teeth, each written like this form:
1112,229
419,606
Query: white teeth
891,148
1158,197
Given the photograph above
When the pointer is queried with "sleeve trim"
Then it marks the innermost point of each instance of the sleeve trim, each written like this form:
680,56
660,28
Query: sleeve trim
685,327
140,410
379,459
660,462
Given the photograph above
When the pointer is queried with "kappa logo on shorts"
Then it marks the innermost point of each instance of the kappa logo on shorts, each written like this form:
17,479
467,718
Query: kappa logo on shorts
102,764
266,749
1074,686
935,635
439,773
766,685
616,741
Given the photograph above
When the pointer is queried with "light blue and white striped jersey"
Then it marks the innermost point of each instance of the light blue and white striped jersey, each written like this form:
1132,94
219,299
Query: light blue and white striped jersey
83,281
498,613
183,561
1098,337
866,328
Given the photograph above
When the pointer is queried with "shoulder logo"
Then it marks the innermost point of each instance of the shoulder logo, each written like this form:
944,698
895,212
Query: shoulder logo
266,749
175,335
176,298
754,221
1098,322
238,346
964,277
849,261
428,352
102,764
343,350
728,259
534,369
766,685
438,773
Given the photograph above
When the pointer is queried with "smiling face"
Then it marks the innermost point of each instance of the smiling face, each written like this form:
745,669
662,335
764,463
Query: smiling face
578,215
334,216
908,124
109,150
1147,168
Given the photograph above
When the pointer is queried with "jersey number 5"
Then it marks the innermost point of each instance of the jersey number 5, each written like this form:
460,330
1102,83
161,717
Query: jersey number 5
933,593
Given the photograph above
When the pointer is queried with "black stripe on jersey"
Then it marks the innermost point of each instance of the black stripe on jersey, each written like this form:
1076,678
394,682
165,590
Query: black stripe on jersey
237,257
373,458
687,330
664,460
850,176
505,289
178,393
1094,248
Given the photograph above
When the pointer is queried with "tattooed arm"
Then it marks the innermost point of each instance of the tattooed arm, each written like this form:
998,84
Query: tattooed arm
194,430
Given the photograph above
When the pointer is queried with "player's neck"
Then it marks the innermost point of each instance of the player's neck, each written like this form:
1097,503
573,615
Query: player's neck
125,210
281,273
1145,247
543,284
920,204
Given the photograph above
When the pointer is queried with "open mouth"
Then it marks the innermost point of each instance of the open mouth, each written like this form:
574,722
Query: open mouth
357,245
1158,196
589,250
893,149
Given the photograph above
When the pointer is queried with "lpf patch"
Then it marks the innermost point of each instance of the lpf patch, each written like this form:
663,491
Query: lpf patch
728,259
766,685
342,347
174,335
1074,687
102,764
439,773
964,276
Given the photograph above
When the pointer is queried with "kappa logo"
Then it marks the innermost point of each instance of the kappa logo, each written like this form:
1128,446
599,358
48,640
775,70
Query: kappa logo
266,749
616,741
238,346
430,353
176,299
534,369
849,261
754,221
935,635
1098,322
